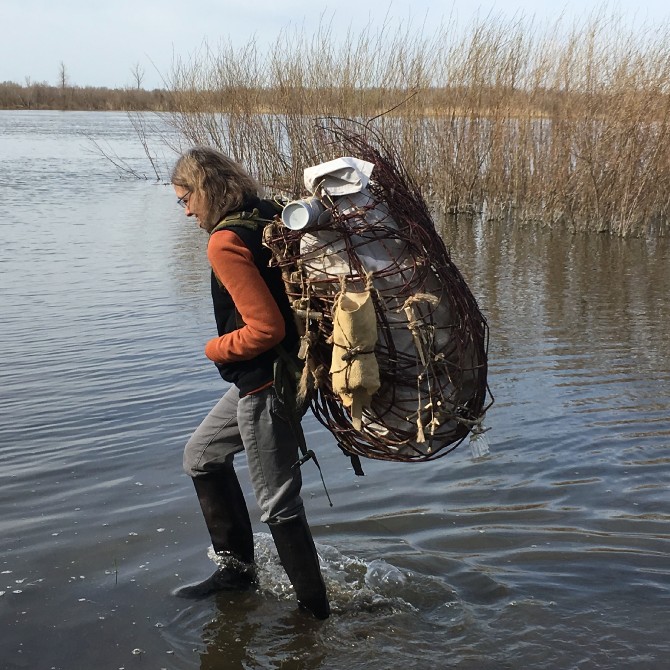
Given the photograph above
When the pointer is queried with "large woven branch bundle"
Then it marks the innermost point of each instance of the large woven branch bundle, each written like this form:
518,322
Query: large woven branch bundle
432,339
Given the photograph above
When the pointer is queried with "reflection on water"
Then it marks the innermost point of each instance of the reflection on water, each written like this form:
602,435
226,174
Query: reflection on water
549,552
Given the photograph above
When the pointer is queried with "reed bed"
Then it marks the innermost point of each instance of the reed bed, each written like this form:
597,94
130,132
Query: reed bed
558,124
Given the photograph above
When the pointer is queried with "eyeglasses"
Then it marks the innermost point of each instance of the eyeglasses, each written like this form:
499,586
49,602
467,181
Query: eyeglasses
183,201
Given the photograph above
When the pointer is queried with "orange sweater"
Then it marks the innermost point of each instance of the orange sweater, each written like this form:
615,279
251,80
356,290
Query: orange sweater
263,328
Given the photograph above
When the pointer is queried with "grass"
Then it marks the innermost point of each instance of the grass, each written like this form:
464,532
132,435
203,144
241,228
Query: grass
559,124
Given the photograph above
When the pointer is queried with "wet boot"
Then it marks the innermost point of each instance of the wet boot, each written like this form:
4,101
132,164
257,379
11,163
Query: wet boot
227,519
297,554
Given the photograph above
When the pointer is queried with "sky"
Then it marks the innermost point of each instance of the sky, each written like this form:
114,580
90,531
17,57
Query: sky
102,43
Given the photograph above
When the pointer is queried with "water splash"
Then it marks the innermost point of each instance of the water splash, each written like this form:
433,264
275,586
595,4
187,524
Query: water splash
479,443
352,582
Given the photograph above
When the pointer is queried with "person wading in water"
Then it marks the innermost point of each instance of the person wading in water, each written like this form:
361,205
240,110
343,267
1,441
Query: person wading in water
253,319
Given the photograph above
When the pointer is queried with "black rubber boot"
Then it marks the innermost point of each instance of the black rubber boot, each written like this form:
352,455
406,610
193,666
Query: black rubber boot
227,519
297,554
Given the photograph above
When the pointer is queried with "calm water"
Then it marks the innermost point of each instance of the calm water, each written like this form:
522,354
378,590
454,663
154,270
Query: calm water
552,552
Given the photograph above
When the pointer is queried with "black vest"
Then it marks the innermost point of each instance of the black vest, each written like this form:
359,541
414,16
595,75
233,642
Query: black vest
256,372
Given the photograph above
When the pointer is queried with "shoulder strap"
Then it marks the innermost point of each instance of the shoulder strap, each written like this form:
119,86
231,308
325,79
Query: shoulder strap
251,220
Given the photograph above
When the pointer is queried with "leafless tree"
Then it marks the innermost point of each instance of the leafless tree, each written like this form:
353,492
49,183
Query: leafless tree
138,75
63,76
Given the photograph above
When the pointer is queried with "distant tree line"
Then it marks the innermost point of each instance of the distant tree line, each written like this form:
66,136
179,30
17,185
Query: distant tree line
41,95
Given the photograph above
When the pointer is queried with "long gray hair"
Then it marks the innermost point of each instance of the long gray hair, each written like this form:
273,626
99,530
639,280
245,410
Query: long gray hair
218,181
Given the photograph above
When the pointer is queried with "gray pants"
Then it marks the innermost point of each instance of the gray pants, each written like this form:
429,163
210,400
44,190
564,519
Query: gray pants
254,423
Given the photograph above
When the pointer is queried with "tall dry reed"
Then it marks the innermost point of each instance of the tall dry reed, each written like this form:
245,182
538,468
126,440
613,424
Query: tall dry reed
559,124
